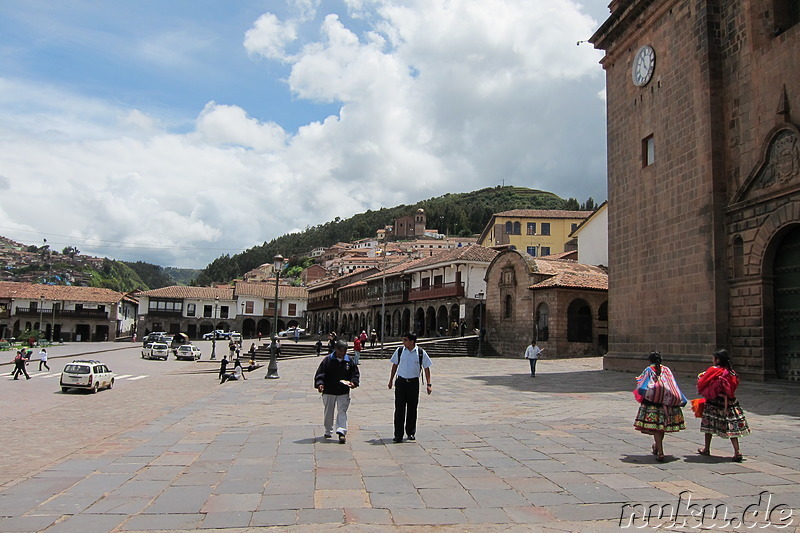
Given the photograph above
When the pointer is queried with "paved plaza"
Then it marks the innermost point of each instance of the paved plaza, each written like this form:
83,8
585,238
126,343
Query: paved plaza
496,450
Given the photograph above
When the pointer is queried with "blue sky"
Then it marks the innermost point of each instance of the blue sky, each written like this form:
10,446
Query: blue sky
175,131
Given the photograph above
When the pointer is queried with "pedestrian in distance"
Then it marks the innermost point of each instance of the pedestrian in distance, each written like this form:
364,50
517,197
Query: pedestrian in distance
373,338
660,401
223,366
19,365
408,362
719,409
336,375
43,359
356,349
318,346
296,334
532,353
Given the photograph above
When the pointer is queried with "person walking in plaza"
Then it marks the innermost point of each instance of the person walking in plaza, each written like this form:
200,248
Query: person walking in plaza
335,376
532,355
296,334
356,349
408,363
720,410
373,338
363,338
661,400
19,365
223,366
43,359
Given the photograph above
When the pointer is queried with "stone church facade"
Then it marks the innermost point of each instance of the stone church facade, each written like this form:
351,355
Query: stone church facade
703,106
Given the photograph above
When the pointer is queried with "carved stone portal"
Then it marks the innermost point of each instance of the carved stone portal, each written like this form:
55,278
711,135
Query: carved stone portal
782,163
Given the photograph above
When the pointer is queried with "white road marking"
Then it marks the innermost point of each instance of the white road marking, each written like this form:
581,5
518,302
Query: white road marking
138,377
123,376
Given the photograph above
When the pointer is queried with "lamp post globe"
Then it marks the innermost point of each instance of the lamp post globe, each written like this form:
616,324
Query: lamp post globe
272,369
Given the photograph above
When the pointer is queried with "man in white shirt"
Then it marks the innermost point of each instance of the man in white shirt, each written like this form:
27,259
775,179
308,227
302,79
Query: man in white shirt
407,364
532,355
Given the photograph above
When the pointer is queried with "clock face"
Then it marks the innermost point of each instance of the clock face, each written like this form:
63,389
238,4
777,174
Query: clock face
644,63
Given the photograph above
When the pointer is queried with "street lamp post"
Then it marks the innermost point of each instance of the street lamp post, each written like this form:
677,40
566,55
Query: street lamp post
479,296
272,369
242,332
214,329
41,305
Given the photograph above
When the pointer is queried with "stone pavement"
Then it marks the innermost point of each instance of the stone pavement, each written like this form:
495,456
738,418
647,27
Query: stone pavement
496,451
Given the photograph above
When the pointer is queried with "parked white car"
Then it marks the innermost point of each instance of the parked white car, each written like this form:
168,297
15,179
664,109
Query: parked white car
289,333
155,350
188,351
86,374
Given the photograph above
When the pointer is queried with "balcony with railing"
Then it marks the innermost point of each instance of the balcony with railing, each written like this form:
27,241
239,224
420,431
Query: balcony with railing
62,313
165,313
323,303
442,290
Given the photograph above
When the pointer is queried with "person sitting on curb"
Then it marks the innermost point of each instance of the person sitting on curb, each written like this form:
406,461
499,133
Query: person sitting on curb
238,373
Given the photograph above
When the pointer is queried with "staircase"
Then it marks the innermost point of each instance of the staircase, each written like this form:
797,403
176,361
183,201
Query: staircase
435,346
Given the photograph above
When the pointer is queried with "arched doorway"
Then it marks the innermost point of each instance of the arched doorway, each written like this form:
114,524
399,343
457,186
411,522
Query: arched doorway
249,328
579,321
787,304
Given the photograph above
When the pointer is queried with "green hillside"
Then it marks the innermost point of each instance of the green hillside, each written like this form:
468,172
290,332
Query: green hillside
460,214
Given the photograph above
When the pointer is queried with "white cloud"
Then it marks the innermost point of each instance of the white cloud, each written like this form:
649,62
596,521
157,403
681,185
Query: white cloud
269,37
434,96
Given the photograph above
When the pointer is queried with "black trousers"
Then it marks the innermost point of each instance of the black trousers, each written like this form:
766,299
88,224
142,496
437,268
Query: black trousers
406,399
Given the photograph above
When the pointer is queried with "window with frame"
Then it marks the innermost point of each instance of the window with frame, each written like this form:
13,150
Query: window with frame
223,311
508,308
517,228
191,309
545,228
207,311
531,228
648,151
509,228
786,13
292,309
249,306
545,250
532,251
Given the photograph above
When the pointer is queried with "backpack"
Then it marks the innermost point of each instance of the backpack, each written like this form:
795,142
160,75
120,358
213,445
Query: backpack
399,352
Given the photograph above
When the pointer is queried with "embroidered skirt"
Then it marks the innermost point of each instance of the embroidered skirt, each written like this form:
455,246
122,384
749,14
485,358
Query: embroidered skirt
657,418
725,423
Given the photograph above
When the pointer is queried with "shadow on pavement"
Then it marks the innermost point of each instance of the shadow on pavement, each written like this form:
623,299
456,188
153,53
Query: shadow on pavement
563,382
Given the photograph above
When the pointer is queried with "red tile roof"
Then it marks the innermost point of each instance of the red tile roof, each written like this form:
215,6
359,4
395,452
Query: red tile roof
197,293
267,290
543,213
35,291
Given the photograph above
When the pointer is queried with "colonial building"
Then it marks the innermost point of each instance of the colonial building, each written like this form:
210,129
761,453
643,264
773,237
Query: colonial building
410,227
703,103
190,310
62,312
562,304
248,308
592,237
538,232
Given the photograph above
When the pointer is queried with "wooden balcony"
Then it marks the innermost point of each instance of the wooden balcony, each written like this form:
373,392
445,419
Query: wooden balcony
432,292
325,303
62,313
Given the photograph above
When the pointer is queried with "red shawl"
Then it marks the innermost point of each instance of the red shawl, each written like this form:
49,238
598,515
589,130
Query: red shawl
716,382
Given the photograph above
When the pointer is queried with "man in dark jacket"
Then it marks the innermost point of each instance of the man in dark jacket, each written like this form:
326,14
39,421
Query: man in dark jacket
336,375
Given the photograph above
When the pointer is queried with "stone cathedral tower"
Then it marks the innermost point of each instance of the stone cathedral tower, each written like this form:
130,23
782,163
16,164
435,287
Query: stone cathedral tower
703,106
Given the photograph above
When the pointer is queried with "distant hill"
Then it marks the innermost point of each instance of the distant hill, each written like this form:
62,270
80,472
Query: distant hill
40,264
460,214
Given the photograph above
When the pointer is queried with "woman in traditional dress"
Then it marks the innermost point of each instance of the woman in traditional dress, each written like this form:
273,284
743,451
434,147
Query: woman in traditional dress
721,414
661,399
